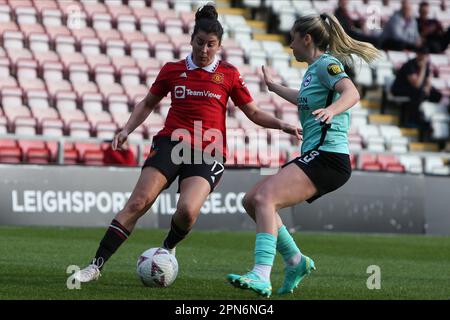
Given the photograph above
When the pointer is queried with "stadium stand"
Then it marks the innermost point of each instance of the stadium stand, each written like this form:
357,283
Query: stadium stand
71,72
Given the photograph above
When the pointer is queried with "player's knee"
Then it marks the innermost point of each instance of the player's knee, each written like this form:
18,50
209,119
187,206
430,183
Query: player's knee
136,205
260,198
187,214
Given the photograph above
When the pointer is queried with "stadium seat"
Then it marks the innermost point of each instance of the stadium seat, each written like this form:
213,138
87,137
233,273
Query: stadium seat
25,126
129,76
92,102
26,15
11,97
79,129
53,87
140,50
52,127
115,48
65,100
38,156
105,130
93,158
90,46
96,117
10,154
26,69
117,103
65,43
120,62
71,156
13,40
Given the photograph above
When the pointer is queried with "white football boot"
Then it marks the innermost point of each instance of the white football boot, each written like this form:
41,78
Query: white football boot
90,273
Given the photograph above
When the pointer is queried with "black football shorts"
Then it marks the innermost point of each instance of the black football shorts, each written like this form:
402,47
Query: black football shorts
327,170
168,163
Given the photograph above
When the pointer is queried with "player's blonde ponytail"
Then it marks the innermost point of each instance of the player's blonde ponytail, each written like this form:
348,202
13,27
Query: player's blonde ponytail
328,35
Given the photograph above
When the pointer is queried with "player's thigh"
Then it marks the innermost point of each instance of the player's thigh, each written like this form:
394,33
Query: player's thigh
286,188
193,193
149,185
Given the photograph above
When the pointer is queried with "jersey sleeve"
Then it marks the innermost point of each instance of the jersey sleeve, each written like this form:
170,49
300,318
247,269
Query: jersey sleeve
239,91
330,71
161,85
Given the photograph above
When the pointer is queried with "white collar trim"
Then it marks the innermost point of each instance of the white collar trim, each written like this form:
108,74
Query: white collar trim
209,68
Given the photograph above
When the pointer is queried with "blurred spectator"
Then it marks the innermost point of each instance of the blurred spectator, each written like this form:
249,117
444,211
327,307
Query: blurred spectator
413,80
431,30
122,157
401,31
354,28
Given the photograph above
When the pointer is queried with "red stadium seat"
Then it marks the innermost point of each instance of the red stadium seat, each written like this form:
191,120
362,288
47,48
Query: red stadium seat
82,148
71,156
387,160
371,166
25,145
37,156
93,157
10,154
38,100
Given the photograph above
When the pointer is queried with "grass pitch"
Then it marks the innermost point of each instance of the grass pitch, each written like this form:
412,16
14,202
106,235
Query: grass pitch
34,261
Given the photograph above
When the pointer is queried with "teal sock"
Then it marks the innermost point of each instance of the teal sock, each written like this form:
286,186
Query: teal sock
286,246
265,250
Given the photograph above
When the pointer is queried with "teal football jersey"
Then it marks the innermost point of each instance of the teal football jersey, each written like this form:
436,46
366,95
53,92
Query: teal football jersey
317,88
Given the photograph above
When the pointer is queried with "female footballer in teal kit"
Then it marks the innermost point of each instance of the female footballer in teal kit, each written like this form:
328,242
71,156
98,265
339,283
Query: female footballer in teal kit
323,101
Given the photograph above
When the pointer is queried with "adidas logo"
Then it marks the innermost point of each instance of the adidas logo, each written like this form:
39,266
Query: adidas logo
183,75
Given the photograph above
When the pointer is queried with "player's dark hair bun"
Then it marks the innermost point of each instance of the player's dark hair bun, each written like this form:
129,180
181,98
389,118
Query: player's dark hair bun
208,11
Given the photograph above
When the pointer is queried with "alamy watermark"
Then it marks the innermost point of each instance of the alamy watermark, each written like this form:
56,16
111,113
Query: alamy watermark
72,283
374,280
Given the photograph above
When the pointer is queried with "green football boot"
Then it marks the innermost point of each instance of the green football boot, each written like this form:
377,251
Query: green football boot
251,281
293,275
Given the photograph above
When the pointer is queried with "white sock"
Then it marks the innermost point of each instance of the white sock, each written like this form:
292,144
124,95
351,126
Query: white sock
293,261
263,271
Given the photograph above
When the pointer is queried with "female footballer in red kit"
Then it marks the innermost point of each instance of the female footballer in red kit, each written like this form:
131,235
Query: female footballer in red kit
200,86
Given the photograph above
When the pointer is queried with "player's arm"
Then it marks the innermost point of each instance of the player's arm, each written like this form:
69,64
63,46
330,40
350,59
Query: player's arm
140,112
349,97
286,93
266,120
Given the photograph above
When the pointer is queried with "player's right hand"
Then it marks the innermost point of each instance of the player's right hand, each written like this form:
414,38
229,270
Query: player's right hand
119,139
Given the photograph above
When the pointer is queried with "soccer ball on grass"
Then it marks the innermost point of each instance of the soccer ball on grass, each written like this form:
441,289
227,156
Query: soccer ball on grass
156,267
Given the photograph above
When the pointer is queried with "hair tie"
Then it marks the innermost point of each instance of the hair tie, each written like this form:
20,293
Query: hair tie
323,16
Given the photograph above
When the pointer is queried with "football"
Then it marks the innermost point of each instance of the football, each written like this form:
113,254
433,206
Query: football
156,267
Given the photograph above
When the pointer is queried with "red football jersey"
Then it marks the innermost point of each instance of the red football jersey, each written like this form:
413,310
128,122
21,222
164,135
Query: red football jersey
199,99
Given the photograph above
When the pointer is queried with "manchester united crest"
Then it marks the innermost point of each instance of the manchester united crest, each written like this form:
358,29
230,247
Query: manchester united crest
217,77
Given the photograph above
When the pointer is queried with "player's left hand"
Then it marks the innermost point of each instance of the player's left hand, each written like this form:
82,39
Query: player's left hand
295,131
324,115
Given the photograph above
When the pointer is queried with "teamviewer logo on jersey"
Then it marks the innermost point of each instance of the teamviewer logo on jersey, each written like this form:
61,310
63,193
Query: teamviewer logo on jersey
180,92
